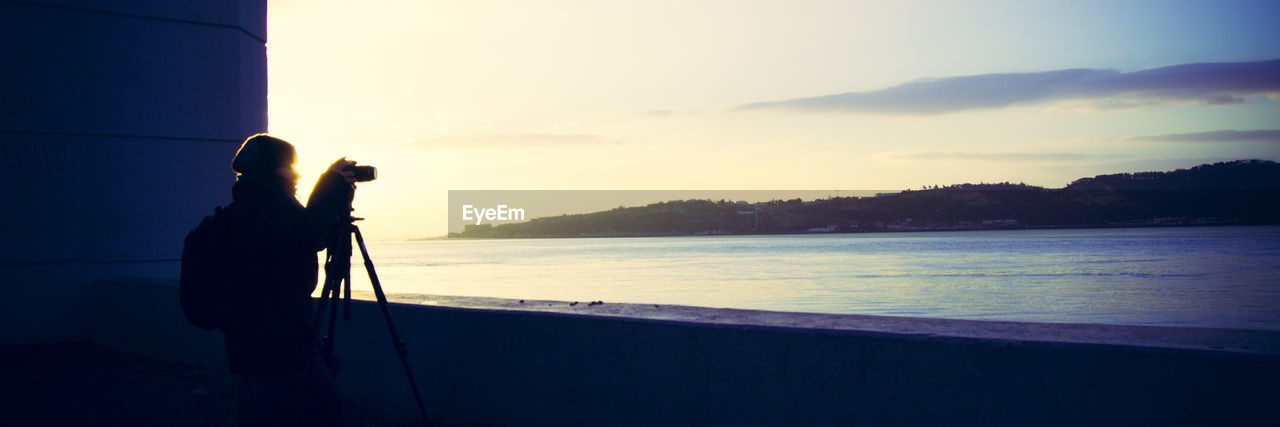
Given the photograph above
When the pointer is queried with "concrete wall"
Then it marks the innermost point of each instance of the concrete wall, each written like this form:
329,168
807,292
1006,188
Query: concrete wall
546,363
118,120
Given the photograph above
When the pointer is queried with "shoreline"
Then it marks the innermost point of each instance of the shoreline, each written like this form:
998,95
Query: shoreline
1255,342
797,318
454,236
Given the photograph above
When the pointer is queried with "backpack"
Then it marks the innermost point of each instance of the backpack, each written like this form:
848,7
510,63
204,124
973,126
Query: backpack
204,282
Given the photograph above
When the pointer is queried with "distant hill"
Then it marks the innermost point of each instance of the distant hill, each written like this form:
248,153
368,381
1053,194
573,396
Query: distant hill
1237,175
1239,192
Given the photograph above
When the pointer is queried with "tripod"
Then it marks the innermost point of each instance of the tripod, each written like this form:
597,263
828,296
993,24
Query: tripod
337,277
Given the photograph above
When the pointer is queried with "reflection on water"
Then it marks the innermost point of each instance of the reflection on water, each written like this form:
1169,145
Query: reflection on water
1207,276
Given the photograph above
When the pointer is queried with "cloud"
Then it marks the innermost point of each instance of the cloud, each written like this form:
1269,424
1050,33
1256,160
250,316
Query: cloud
1208,83
1262,135
988,157
525,140
1223,99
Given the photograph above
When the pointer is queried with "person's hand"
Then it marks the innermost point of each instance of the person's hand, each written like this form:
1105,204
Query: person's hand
343,167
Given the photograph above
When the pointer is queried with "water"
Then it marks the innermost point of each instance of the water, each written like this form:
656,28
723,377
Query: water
1206,276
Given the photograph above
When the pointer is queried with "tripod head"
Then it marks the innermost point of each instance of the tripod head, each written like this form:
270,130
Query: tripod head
341,229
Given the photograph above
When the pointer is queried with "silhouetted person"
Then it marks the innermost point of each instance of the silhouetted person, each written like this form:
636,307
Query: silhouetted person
270,341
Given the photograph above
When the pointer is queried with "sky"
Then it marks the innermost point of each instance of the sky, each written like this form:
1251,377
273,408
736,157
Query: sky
761,95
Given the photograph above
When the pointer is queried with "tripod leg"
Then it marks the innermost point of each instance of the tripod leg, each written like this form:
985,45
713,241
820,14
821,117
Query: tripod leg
333,309
346,292
326,305
401,349
323,306
337,267
342,269
325,291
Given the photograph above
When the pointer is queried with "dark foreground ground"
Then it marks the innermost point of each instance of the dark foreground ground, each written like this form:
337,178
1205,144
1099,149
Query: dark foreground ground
88,385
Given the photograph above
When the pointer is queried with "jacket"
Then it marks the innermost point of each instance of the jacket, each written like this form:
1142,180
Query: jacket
274,270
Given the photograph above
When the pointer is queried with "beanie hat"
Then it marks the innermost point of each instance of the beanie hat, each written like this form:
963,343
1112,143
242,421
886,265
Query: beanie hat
263,153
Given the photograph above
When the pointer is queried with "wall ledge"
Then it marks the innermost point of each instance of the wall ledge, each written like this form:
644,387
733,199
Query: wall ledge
503,362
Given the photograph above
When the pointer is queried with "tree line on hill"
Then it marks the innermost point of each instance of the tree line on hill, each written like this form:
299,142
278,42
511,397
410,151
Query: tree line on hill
1238,192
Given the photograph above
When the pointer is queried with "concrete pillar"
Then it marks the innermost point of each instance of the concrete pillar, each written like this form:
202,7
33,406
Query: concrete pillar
118,120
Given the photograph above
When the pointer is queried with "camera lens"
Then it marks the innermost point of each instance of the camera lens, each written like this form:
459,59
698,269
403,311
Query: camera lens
365,173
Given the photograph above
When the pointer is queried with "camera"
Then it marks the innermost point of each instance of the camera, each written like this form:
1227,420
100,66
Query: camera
363,173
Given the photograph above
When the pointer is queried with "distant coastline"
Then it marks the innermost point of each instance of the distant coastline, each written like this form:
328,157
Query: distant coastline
1192,222
1245,192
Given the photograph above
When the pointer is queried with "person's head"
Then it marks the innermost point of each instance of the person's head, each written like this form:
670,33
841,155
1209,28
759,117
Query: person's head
263,156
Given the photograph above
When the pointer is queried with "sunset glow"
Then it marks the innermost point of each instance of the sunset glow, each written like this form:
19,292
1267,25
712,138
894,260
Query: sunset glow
764,95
